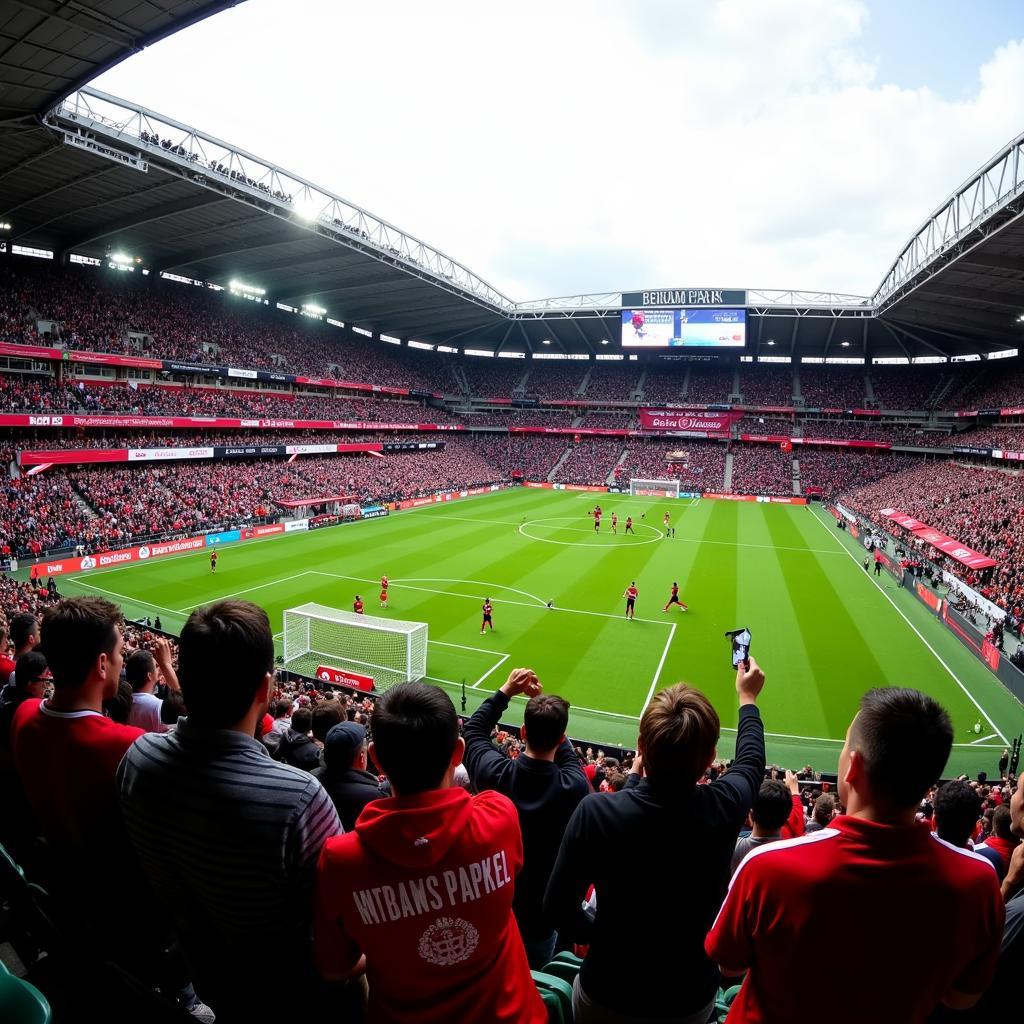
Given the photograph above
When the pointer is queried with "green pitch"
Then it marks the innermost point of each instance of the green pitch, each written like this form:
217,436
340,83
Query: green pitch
823,630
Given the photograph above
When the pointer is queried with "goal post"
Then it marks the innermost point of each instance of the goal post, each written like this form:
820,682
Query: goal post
390,650
663,488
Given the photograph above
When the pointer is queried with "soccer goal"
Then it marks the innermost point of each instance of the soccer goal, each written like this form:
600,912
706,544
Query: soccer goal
654,488
389,650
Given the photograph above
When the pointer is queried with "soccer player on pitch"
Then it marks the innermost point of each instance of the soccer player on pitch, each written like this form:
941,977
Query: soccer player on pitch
213,560
629,526
631,594
615,523
384,584
674,599
357,605
597,518
487,621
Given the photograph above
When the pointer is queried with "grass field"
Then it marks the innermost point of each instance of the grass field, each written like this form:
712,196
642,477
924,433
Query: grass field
823,630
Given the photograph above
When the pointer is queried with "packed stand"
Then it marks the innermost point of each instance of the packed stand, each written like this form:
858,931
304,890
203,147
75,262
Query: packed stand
664,384
529,457
1010,438
836,471
36,394
761,469
995,385
608,421
40,513
612,382
509,417
698,465
589,462
781,426
555,380
766,384
709,385
494,378
832,387
909,387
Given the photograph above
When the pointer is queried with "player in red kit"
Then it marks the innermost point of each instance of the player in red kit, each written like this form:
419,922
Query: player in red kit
674,599
213,560
384,584
615,523
629,526
487,621
638,320
357,605
630,594
597,517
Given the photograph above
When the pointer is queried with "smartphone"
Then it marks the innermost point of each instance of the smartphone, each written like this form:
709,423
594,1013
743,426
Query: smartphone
740,646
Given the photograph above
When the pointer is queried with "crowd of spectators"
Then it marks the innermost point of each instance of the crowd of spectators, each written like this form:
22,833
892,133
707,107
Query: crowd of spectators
698,465
995,385
625,420
981,508
554,380
494,378
766,384
780,426
709,385
761,469
526,456
910,387
838,470
832,387
506,416
589,462
612,382
1009,438
40,513
664,384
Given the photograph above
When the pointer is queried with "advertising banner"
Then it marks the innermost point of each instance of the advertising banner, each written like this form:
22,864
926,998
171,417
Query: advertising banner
252,532
296,526
226,537
693,420
58,567
342,677
64,420
373,511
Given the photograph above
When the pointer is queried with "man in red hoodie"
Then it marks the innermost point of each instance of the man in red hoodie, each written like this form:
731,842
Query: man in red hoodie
421,892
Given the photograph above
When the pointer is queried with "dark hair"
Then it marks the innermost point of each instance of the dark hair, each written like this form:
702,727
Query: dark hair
957,810
225,652
282,707
415,729
137,666
679,731
28,669
616,780
119,707
326,715
824,809
23,625
1001,822
905,738
302,721
772,805
75,632
545,719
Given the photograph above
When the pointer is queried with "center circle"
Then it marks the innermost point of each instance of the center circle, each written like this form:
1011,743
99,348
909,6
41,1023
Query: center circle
605,532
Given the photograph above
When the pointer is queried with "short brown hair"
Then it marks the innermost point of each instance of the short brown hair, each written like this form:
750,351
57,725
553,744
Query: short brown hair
75,632
545,720
225,652
679,731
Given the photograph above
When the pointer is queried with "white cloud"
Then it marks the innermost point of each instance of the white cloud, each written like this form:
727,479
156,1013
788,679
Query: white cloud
590,146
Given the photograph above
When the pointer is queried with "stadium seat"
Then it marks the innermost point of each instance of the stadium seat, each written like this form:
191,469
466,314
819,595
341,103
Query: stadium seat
723,1001
557,996
565,965
20,1002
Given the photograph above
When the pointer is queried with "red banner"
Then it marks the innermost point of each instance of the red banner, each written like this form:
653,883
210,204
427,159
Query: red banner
582,431
929,597
106,359
690,420
207,422
107,558
943,542
29,351
764,499
825,441
342,677
251,532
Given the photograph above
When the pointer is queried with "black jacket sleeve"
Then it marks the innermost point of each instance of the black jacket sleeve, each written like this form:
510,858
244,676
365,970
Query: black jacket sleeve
734,791
487,767
570,879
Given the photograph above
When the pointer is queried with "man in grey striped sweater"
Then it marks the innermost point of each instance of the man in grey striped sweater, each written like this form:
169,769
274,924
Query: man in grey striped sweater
229,838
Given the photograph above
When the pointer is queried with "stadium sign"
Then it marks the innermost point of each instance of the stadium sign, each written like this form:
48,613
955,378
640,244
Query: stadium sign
342,677
696,421
686,297
373,511
91,145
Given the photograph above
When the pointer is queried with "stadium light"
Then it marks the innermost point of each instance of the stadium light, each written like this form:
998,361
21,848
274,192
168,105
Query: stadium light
7,227
120,257
1020,319
604,341
307,208
313,309
246,289
545,341
844,344
770,341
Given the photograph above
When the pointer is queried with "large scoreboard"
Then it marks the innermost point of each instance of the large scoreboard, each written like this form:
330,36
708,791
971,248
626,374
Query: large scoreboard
684,318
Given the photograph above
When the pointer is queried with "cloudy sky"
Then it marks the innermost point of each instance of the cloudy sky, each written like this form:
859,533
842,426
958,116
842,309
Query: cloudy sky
560,147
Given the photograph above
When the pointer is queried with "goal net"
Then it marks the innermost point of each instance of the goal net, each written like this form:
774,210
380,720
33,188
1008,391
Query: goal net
389,650
655,488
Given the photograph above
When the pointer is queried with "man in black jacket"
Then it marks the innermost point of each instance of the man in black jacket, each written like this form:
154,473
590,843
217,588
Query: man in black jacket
663,817
297,747
344,774
546,783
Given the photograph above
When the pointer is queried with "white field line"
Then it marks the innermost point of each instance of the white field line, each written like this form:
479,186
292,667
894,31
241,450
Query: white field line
493,668
126,600
248,590
976,743
657,671
883,592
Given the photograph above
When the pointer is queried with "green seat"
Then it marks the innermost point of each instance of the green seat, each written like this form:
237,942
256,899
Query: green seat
21,1002
557,996
565,965
724,1000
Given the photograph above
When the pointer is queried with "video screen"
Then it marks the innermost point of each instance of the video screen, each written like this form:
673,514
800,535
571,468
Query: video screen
684,328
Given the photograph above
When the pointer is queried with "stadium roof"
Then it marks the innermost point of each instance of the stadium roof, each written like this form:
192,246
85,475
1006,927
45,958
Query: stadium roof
99,175
50,48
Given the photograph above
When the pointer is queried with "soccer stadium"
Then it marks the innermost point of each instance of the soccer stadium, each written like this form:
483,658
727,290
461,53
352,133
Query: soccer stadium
363,628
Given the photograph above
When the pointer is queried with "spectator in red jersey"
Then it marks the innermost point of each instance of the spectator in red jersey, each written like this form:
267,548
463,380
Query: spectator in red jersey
1002,839
941,906
6,661
421,891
